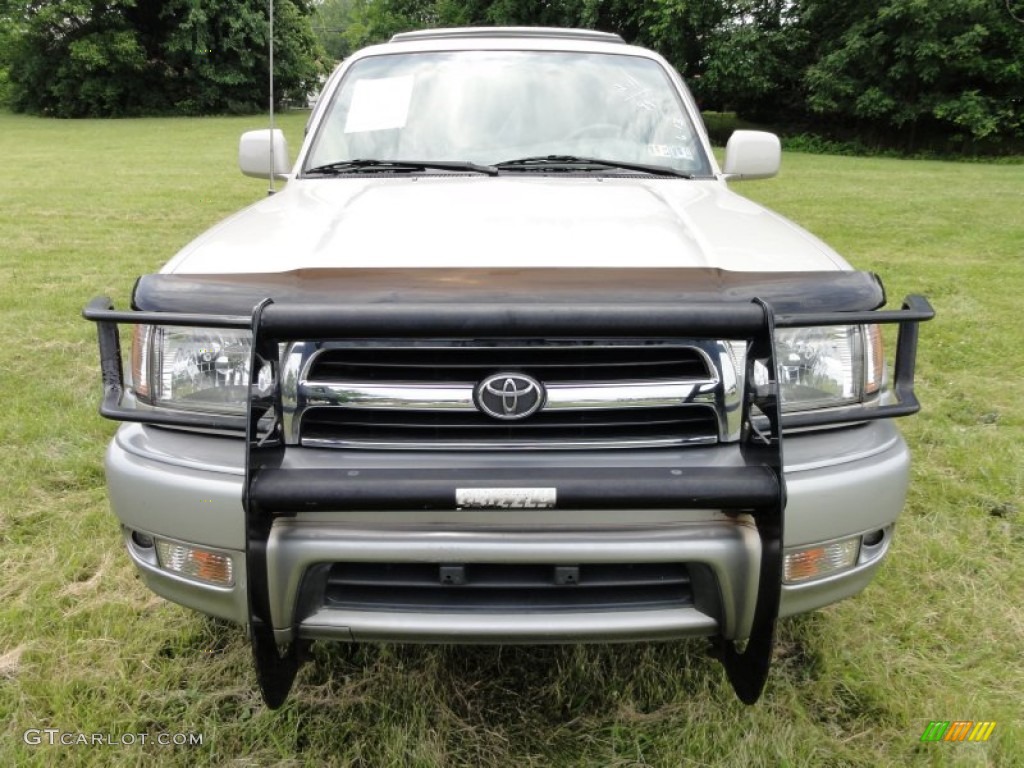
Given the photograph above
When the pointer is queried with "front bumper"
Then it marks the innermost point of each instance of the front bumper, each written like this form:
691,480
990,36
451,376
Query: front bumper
188,488
718,513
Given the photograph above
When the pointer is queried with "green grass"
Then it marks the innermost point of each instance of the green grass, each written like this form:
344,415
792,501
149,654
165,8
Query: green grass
86,648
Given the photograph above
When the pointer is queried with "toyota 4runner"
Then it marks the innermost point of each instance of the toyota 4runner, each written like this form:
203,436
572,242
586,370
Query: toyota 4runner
506,361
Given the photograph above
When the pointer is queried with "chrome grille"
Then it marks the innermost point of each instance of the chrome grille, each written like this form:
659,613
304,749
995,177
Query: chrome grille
549,362
611,429
411,395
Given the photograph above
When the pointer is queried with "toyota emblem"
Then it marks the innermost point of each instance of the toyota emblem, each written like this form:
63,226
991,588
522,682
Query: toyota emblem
509,396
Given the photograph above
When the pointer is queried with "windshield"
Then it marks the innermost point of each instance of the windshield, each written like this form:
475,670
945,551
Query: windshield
491,107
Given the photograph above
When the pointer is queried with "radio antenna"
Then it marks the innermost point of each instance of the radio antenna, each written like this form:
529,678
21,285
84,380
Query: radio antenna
271,189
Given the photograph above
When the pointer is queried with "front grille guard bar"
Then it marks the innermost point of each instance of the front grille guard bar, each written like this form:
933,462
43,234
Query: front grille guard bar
270,491
100,310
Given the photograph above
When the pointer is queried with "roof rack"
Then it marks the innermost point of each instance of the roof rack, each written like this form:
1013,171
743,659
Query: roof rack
534,32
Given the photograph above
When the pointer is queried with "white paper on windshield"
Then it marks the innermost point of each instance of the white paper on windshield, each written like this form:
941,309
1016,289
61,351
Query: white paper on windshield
379,104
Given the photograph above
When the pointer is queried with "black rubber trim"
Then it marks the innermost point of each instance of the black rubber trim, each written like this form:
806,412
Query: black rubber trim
916,309
757,487
711,320
287,491
100,311
307,322
276,667
748,668
237,294
273,490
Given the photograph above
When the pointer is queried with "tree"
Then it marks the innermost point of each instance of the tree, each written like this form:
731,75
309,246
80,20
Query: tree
72,53
890,71
917,69
9,32
755,62
680,29
100,58
331,19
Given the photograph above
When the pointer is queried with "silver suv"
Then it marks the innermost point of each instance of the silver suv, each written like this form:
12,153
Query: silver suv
506,361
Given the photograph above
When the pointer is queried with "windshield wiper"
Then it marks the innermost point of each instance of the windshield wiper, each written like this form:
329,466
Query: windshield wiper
575,163
398,166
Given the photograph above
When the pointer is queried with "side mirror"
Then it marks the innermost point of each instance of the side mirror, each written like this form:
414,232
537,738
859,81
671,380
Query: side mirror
752,155
263,154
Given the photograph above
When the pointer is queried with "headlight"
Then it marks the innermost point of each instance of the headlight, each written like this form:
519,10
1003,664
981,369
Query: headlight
828,366
203,369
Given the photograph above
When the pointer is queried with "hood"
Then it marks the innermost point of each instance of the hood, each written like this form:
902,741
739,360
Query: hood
474,222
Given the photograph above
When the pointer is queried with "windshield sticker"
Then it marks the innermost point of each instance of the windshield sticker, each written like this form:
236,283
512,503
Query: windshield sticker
671,151
379,104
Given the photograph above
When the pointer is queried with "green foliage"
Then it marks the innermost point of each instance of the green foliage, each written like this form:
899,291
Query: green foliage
755,61
76,54
89,58
331,19
681,31
914,74
918,68
9,33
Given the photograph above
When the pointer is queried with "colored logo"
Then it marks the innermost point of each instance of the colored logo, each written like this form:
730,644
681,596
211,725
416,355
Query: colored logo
958,730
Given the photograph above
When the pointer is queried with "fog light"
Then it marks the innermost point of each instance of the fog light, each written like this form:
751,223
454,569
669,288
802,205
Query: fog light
816,562
195,563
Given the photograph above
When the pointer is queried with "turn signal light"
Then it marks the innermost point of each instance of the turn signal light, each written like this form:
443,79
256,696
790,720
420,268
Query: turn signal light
195,563
823,560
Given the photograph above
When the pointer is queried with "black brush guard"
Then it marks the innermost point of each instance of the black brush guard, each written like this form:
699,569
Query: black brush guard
271,492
